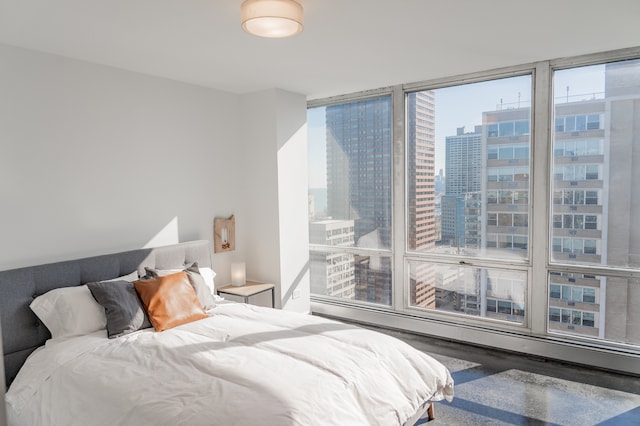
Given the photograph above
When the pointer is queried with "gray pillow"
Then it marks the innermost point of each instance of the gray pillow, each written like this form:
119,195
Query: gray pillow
197,282
122,307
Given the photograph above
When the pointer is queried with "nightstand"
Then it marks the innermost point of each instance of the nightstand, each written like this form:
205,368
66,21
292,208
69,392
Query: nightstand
251,288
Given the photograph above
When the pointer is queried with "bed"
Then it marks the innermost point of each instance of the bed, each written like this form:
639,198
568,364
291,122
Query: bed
237,364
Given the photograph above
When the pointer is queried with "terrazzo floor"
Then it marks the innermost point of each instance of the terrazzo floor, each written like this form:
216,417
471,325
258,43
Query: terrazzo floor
498,388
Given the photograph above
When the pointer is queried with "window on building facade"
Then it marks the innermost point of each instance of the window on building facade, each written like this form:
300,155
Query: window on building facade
465,249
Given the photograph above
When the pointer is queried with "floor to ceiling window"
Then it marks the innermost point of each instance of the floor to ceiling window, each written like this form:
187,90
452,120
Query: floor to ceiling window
468,168
504,201
595,227
350,229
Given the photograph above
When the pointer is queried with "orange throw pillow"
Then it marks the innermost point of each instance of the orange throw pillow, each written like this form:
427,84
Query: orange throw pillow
170,301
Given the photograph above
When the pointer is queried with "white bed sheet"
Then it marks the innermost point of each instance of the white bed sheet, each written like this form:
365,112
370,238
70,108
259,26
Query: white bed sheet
244,365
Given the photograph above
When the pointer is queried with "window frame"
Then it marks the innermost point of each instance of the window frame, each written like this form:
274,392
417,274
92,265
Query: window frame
537,266
521,264
352,250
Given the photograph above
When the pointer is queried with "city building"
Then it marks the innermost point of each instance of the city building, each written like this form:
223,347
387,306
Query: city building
332,274
473,221
590,136
452,220
421,159
359,186
359,166
580,193
463,165
421,191
506,217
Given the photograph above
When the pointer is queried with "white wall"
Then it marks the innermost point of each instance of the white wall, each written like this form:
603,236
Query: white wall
95,159
293,201
275,217
259,153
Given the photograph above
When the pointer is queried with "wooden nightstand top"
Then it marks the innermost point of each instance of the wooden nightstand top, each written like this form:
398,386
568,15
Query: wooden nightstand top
249,289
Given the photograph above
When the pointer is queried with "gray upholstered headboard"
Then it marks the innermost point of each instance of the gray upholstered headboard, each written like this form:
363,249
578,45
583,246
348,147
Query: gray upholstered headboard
22,331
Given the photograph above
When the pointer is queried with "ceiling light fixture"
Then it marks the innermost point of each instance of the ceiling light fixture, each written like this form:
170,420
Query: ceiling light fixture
271,18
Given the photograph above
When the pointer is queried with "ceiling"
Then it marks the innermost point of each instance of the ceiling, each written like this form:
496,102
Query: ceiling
346,45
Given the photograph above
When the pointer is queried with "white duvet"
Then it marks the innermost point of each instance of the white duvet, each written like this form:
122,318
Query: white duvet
244,365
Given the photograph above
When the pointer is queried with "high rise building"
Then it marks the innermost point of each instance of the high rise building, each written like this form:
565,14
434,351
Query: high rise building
507,138
463,161
421,159
505,210
578,201
359,186
359,164
463,165
596,162
421,191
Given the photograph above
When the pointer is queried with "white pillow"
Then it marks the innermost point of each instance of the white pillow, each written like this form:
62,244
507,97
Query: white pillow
208,274
69,311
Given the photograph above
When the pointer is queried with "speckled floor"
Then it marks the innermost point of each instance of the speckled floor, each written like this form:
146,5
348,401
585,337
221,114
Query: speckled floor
496,388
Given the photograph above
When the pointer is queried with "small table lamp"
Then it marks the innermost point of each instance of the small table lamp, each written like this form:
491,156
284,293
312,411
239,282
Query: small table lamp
238,274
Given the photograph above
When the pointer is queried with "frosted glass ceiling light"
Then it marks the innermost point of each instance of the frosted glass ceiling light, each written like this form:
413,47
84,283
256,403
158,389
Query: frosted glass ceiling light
271,18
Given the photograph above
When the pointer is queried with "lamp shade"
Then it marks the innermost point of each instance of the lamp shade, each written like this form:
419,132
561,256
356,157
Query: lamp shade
238,274
271,18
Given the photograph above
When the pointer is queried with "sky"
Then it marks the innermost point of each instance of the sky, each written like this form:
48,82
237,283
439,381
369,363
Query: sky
462,105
